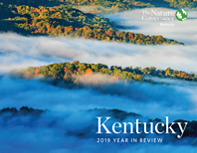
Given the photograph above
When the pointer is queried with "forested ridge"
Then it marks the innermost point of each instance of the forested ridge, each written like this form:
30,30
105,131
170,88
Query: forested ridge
129,4
73,73
68,21
121,4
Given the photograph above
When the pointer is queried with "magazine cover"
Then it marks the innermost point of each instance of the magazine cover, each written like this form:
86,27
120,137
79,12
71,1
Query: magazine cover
98,76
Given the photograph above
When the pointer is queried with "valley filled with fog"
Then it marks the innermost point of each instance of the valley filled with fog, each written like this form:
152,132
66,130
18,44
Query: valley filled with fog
21,52
72,111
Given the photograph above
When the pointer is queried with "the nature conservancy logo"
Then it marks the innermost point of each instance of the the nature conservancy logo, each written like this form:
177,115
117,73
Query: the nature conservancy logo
125,132
181,15
158,15
165,18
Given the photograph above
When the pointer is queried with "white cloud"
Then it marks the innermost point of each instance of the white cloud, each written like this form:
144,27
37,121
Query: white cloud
19,52
184,31
176,100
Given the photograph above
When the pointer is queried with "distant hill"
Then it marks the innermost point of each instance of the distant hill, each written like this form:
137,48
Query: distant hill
75,72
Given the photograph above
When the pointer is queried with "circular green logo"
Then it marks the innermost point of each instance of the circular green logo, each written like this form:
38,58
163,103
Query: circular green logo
181,15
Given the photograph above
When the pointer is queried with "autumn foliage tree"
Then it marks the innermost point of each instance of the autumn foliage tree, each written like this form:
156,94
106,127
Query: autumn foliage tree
68,21
74,73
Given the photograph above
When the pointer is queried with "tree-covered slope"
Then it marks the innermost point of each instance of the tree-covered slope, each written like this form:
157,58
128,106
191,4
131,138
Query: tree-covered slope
183,3
73,73
67,21
120,4
129,4
44,19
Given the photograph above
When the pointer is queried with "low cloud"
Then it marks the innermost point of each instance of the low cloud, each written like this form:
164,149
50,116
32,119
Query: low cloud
75,131
158,100
183,31
21,52
176,99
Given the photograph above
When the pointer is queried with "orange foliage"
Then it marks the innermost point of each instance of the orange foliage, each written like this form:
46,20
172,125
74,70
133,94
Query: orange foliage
65,69
37,72
180,75
70,29
184,75
88,72
52,9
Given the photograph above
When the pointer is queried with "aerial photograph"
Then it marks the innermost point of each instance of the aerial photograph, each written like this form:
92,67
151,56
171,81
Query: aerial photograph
98,76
